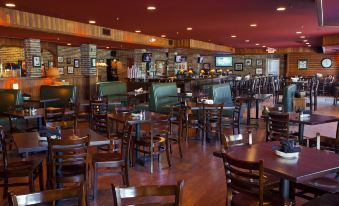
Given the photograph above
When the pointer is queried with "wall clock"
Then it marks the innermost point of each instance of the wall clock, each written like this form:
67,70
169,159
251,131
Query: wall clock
326,63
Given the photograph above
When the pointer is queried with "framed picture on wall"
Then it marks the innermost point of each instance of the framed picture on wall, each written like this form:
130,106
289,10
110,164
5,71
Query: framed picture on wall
76,63
50,64
302,64
93,62
258,71
36,61
248,62
61,70
206,66
60,59
238,66
259,62
68,60
160,66
70,70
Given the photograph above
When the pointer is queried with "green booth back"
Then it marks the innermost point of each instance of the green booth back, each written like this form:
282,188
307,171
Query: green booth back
110,89
221,94
160,100
10,97
288,95
65,93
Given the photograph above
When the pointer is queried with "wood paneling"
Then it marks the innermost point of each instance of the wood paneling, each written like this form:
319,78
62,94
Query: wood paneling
314,64
195,44
245,51
331,40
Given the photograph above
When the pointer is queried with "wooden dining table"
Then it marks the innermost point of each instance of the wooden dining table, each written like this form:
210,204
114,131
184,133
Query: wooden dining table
28,142
310,164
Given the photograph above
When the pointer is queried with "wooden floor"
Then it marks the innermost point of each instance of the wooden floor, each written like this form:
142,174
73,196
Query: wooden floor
202,172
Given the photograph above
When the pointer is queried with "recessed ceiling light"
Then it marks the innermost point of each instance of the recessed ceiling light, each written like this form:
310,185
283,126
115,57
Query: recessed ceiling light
307,43
91,22
233,36
302,37
107,47
298,32
137,31
69,44
10,5
305,40
247,40
264,46
281,8
257,44
189,28
151,8
253,25
163,36
152,40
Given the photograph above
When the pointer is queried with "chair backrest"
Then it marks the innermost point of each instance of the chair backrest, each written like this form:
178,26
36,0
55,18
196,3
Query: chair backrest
50,196
53,114
237,112
177,116
278,124
149,191
212,112
231,141
244,177
99,111
3,151
65,153
65,93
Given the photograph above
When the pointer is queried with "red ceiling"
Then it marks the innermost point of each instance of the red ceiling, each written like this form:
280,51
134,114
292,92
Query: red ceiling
214,20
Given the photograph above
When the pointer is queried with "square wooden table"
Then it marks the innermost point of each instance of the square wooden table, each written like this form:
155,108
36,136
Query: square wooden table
312,163
27,142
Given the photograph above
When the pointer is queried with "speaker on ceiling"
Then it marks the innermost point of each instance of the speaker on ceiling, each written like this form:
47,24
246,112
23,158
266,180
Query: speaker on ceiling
113,53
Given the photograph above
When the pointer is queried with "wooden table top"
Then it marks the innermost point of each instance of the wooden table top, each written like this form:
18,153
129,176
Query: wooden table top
29,141
40,113
43,100
313,120
311,163
148,118
87,103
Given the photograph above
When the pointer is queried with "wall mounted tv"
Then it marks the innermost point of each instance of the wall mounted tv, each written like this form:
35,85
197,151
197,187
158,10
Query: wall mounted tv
200,60
146,57
223,61
177,59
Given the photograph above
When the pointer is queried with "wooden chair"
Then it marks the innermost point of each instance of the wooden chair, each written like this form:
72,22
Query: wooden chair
235,120
67,160
211,122
149,191
50,196
99,121
119,158
152,144
176,118
56,118
277,126
247,180
16,169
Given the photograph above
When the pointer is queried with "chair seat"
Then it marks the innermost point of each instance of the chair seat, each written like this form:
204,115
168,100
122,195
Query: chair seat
252,200
107,157
21,169
146,141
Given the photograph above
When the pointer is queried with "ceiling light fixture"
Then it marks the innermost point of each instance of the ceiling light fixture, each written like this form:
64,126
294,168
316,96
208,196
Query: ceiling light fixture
257,44
189,28
264,46
247,40
305,40
281,8
253,25
163,36
233,36
307,43
302,37
69,44
91,22
107,47
137,31
151,8
10,5
298,32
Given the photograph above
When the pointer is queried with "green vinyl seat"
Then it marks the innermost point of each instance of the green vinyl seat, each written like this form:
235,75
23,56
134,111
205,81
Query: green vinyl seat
160,99
65,93
113,90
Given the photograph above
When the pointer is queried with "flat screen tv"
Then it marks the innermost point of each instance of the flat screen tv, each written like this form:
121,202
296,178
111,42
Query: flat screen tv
200,60
177,59
223,61
146,57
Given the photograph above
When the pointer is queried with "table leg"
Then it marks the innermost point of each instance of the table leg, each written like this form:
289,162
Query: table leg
285,188
257,108
301,133
248,112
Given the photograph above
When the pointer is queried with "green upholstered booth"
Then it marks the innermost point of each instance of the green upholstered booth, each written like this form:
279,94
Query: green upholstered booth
221,94
111,89
65,94
160,100
8,98
288,95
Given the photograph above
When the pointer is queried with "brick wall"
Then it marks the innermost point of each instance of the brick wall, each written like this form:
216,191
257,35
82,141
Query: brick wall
32,48
47,57
87,53
69,54
11,55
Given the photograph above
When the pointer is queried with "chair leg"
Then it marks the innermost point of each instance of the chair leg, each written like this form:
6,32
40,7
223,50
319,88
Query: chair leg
41,178
126,176
31,183
179,145
152,157
5,192
95,182
167,155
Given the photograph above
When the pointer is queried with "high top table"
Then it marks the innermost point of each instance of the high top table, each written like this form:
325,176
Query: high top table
312,163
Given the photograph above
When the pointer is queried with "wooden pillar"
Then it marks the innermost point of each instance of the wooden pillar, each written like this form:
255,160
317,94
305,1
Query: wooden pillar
88,53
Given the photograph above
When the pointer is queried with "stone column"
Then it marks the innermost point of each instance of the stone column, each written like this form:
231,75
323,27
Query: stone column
88,52
32,48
